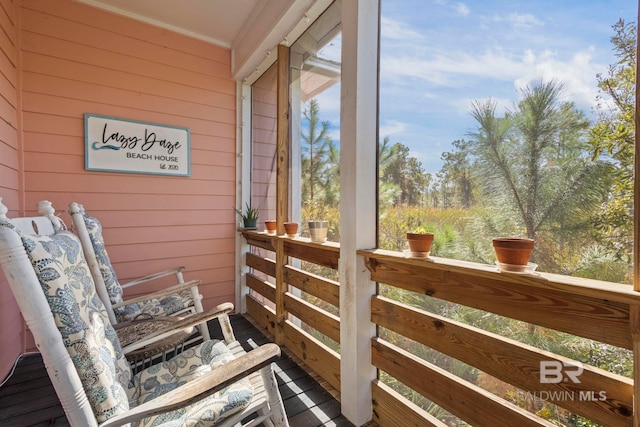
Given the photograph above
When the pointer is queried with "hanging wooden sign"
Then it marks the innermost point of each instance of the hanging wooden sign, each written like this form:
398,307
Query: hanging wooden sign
118,145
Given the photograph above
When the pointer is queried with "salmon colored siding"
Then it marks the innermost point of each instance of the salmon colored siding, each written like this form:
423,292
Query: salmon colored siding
76,59
12,329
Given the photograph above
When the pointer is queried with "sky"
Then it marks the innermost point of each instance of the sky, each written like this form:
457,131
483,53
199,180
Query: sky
437,56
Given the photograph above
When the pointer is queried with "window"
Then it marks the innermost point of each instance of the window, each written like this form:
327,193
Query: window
315,93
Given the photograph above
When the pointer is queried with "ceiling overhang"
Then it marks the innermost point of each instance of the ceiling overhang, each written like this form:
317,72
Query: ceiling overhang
251,29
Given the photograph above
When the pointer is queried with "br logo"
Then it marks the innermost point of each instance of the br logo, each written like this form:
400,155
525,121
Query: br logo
554,371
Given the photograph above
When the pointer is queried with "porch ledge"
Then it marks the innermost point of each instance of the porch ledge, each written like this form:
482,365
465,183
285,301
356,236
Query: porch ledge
609,291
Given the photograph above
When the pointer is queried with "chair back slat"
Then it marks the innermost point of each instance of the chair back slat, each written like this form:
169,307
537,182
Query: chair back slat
98,268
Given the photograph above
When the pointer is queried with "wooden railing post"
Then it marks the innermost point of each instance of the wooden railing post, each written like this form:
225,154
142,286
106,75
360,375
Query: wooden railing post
634,322
282,184
636,177
281,289
634,310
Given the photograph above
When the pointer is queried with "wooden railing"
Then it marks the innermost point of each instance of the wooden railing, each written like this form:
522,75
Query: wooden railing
586,308
277,300
600,311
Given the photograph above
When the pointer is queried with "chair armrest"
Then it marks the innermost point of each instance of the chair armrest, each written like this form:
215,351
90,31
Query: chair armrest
161,293
201,387
151,277
184,324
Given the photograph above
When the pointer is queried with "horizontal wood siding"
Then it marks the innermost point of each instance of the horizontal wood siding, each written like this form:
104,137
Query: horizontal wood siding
12,327
78,59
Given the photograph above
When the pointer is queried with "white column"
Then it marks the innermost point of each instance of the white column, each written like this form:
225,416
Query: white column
243,187
358,183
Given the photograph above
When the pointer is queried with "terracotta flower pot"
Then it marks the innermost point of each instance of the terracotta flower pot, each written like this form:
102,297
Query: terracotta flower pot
420,242
513,250
291,228
270,226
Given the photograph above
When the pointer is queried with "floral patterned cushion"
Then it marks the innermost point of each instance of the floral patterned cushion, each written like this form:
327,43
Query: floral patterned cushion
82,321
165,306
193,362
108,274
156,307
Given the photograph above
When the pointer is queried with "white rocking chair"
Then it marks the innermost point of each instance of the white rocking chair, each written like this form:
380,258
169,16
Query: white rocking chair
180,299
212,384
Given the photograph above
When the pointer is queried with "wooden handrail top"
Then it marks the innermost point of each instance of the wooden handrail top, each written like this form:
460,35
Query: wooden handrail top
611,291
303,241
574,285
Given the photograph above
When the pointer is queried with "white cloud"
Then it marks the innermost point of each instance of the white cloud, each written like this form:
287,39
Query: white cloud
524,20
457,69
397,30
462,9
329,104
448,69
392,127
517,21
578,73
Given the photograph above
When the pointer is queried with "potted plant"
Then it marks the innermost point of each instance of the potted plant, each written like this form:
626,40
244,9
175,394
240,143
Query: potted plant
249,217
420,240
270,226
291,228
513,251
318,230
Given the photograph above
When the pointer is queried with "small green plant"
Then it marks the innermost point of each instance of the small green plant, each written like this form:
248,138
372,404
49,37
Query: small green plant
249,213
421,229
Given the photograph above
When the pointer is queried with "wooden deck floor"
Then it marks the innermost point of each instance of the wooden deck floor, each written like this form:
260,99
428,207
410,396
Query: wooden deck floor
28,398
